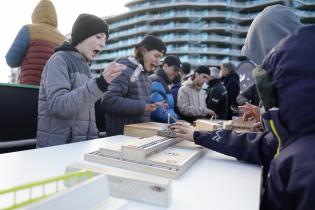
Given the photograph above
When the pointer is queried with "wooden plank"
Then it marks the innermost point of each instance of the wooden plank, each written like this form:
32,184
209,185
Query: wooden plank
143,130
132,185
236,124
207,125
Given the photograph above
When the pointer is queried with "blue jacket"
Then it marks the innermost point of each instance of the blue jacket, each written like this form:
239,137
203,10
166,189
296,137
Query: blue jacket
287,152
174,91
161,92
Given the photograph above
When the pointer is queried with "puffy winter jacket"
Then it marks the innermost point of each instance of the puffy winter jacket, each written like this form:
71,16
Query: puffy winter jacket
66,99
35,43
160,93
125,100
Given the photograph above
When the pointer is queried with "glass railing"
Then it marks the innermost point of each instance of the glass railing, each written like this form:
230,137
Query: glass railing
208,62
208,50
193,61
113,55
230,3
306,1
96,66
174,50
192,13
176,38
129,21
305,13
201,13
173,26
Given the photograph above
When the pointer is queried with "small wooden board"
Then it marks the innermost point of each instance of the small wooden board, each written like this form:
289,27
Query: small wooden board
143,130
208,125
238,125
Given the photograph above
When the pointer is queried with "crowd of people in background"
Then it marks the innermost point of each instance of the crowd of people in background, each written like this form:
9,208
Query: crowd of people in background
154,87
151,85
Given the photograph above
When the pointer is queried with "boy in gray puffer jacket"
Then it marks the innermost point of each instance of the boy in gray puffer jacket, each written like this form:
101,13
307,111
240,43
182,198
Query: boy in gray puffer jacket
67,91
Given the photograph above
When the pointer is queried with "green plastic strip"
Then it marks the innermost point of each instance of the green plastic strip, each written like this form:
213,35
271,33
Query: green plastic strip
78,175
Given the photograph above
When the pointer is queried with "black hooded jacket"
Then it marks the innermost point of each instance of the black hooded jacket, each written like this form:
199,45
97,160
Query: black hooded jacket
217,99
232,85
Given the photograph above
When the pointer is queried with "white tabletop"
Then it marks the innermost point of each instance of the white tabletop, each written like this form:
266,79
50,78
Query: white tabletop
214,182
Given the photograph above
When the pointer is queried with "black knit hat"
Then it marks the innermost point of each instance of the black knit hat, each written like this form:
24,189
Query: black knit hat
153,43
85,26
203,70
172,60
186,68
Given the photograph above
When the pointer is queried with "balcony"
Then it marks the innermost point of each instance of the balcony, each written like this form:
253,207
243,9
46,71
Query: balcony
187,14
168,38
108,56
192,61
177,27
138,5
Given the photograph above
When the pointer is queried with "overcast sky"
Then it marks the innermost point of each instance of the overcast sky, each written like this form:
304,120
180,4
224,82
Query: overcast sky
16,13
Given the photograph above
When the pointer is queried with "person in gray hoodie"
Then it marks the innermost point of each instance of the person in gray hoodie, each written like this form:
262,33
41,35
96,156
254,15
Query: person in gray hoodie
127,100
67,91
266,31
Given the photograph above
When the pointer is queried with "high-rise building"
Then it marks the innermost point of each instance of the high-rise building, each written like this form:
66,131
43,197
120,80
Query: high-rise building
206,32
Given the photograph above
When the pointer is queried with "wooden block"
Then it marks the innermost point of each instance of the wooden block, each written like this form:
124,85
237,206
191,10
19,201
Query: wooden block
144,130
228,124
238,125
131,185
207,125
91,194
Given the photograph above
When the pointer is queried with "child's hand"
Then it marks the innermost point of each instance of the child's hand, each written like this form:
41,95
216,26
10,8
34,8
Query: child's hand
161,104
150,107
183,130
250,112
113,71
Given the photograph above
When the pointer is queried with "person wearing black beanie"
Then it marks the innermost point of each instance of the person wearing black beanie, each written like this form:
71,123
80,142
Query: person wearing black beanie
87,25
149,51
68,92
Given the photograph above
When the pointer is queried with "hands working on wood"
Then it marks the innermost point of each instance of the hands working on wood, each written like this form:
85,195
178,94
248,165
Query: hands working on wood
183,130
251,112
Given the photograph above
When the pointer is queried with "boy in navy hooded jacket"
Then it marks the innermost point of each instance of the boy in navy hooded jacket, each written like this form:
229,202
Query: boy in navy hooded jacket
285,82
